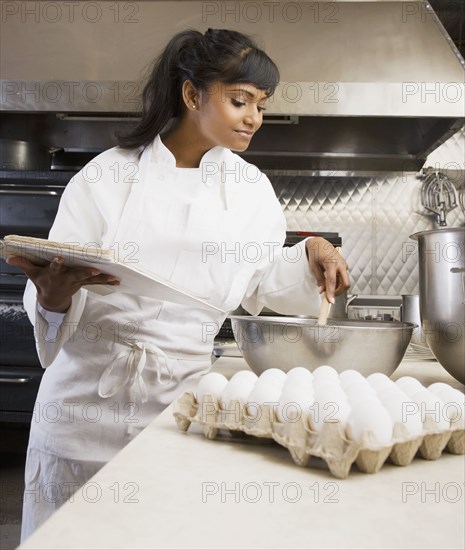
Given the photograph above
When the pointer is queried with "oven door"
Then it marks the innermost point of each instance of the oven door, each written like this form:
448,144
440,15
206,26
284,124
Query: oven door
20,369
27,208
28,205
18,392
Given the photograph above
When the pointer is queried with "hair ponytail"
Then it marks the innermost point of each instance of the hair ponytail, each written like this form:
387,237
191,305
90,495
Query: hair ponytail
218,55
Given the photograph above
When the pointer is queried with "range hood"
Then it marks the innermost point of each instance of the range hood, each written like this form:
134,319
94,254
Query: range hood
365,85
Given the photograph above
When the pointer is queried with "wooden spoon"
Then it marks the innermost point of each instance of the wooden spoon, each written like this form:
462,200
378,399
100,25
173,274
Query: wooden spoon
324,311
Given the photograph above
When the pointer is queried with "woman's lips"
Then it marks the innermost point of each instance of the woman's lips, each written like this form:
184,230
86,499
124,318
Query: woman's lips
244,133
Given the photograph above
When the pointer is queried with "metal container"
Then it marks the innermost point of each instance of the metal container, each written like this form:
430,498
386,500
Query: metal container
288,342
410,313
340,308
442,295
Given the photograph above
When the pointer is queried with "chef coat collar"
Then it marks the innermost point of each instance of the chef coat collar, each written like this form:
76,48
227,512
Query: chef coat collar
211,168
161,153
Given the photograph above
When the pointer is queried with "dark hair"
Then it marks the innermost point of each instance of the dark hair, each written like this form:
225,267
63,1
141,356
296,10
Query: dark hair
218,55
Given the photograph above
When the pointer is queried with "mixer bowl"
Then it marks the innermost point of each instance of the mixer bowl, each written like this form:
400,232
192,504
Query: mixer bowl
442,295
288,342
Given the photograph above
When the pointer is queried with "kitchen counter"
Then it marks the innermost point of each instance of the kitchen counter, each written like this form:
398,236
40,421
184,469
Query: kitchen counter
169,489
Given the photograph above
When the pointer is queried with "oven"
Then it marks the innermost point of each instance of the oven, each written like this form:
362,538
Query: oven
28,205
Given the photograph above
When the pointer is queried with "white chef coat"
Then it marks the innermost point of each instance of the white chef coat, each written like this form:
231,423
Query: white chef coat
114,362
118,360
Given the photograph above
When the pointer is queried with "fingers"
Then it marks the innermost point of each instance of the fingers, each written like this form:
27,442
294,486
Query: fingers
102,279
57,269
337,282
82,276
320,277
22,263
314,248
344,282
329,267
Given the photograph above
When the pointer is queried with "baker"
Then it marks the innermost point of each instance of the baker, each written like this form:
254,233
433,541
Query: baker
174,199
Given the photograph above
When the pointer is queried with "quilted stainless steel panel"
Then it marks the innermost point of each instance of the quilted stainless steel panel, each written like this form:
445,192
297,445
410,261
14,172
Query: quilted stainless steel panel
374,217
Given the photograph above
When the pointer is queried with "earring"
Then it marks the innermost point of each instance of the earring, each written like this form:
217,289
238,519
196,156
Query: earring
193,105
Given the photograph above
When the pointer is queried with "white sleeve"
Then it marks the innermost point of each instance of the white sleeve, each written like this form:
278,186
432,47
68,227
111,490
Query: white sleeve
288,286
79,221
52,329
283,282
54,320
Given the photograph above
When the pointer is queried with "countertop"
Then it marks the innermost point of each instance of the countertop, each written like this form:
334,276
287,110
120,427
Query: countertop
169,489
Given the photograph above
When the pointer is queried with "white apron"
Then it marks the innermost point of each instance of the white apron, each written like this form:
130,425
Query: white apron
132,349
131,356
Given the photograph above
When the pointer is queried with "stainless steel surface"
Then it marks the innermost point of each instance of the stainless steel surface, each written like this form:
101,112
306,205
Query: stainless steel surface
375,308
226,348
339,310
438,195
24,192
384,65
23,155
442,295
410,313
374,216
14,380
287,342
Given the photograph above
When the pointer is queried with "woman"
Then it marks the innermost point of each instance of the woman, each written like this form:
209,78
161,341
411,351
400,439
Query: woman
176,199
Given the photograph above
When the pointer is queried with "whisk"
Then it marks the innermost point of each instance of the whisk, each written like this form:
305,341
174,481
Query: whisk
438,195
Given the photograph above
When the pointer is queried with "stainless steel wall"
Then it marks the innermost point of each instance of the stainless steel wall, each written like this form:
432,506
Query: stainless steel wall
375,217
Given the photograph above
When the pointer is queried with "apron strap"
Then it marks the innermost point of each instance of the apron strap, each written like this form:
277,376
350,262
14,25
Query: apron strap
131,370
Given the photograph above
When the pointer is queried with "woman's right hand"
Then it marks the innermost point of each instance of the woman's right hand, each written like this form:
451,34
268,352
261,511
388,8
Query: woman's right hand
57,283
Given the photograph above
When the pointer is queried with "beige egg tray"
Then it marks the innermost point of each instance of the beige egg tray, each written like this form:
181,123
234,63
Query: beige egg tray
330,443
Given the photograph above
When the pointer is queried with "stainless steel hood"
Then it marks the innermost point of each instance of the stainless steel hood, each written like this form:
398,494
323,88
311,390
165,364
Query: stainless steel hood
373,85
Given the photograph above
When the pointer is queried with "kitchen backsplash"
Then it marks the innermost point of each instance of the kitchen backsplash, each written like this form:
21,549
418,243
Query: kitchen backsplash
374,216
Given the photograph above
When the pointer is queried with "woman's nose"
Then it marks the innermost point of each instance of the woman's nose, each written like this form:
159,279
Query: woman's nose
253,117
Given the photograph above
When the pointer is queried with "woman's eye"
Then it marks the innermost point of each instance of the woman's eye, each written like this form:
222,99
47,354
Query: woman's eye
237,103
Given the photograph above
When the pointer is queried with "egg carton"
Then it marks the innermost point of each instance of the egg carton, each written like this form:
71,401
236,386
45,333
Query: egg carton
332,442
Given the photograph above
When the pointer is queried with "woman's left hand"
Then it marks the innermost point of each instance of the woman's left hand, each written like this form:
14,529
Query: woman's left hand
330,268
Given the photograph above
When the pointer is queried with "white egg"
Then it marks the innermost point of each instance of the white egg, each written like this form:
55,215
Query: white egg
369,421
294,402
409,385
379,381
212,384
347,377
441,389
277,376
291,384
393,390
329,413
439,386
238,388
400,408
432,410
263,392
359,390
299,374
329,392
454,403
298,380
325,373
331,405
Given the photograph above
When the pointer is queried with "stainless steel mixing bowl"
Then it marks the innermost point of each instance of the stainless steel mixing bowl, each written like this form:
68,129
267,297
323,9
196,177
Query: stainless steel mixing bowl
288,342
442,295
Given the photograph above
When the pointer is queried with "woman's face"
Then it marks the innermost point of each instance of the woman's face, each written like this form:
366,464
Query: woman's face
230,114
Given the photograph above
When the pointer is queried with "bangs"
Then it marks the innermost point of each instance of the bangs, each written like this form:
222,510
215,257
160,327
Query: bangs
253,67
